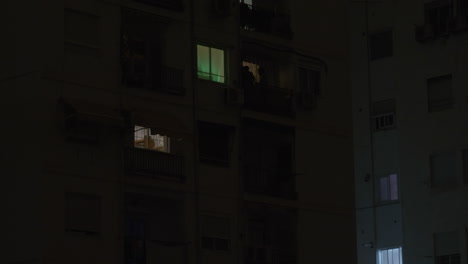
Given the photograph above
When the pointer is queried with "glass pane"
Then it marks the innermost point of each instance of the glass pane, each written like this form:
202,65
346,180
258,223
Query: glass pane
384,189
217,64
396,256
384,257
140,137
203,61
393,187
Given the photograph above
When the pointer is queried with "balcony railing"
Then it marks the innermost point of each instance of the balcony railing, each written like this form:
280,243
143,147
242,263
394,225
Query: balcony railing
269,99
154,163
263,20
169,80
268,181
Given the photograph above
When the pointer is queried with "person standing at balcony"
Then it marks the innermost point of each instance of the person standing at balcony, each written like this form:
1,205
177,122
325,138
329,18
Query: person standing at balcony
248,79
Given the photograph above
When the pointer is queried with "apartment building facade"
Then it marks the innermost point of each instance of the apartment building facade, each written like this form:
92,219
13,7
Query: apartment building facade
156,131
409,114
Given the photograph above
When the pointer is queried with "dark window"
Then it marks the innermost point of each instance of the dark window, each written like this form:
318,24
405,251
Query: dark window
216,233
268,159
443,170
83,213
439,93
142,55
215,143
446,245
383,114
381,45
154,218
463,7
438,14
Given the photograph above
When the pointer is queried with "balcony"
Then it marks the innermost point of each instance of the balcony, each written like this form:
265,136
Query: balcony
269,99
263,20
154,163
160,78
269,181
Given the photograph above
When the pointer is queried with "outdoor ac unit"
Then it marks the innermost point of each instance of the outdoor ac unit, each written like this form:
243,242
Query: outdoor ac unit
457,24
423,33
234,96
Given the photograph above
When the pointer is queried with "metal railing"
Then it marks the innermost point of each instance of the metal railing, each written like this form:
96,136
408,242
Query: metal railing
269,99
154,163
169,80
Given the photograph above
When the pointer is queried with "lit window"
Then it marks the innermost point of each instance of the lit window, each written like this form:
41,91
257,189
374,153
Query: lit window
254,69
146,138
210,64
389,256
389,188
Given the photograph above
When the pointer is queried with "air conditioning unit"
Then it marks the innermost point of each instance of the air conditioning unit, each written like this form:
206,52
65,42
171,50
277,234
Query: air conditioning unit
457,24
423,33
234,96
221,7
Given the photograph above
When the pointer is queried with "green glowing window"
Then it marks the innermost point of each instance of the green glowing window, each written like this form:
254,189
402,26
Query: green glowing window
210,64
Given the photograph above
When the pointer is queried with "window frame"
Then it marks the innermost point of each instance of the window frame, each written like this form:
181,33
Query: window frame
388,180
430,106
166,139
372,55
225,62
445,187
437,4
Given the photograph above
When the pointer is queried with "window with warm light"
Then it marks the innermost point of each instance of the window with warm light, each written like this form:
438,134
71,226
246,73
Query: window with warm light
210,64
147,138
